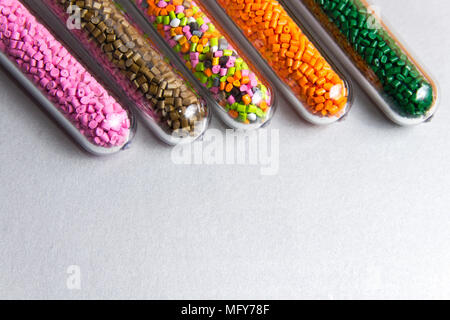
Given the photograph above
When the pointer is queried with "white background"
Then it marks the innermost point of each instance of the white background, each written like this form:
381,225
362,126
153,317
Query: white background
359,209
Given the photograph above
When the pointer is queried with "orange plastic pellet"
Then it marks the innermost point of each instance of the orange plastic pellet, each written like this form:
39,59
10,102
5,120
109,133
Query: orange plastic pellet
234,114
290,53
246,99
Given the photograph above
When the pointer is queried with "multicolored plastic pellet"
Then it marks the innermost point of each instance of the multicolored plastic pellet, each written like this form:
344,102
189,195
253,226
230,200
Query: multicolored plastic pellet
173,111
403,90
291,55
191,32
70,88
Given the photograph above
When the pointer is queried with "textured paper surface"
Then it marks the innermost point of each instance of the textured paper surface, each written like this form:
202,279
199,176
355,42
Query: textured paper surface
359,209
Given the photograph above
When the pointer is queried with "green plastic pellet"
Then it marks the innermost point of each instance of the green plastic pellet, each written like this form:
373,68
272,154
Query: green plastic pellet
210,83
400,78
201,77
231,71
200,66
263,89
241,107
252,108
242,116
214,42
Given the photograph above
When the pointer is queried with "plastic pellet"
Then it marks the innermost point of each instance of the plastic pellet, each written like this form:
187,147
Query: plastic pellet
65,83
161,94
211,56
402,88
291,55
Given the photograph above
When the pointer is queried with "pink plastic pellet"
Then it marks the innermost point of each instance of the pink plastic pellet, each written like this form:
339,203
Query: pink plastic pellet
63,80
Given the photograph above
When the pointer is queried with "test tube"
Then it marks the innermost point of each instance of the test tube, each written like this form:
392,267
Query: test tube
371,52
174,111
317,88
241,96
60,83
